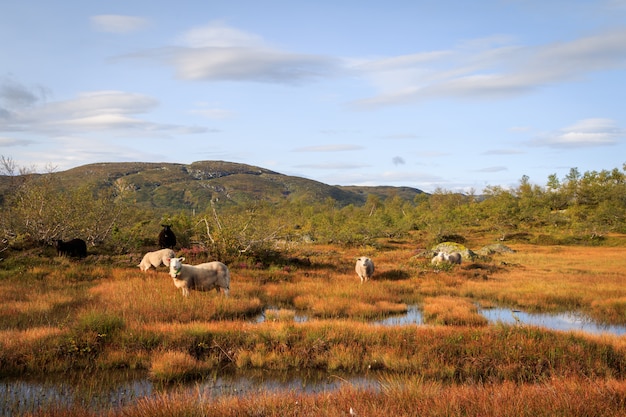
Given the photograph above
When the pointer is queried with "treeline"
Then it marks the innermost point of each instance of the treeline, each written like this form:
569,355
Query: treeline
37,210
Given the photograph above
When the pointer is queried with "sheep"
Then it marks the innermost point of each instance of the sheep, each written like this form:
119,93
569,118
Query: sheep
453,258
202,277
364,268
156,258
75,248
167,238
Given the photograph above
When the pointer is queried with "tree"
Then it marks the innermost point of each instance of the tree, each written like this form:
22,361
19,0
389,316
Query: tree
500,210
532,205
442,214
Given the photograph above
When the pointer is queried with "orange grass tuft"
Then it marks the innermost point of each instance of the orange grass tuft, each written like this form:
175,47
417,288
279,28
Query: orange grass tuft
173,365
454,311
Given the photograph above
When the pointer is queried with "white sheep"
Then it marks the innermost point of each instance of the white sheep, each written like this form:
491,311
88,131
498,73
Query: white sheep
364,268
156,258
453,258
202,277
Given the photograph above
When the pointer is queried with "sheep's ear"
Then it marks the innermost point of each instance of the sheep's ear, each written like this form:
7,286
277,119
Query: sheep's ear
182,259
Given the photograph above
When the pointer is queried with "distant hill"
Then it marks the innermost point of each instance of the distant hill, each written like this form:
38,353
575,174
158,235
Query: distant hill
176,186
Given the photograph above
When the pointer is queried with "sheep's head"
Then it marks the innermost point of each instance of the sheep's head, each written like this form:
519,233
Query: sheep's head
176,264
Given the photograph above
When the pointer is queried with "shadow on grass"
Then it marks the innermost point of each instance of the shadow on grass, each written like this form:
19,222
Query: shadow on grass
392,275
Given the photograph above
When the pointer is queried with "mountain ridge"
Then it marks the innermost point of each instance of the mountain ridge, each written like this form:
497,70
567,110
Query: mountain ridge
168,185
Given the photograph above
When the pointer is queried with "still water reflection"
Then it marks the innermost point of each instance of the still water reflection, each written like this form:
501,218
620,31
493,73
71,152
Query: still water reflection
569,321
100,393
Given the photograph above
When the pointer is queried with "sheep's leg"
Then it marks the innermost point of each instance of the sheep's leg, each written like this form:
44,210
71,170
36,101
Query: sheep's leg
185,292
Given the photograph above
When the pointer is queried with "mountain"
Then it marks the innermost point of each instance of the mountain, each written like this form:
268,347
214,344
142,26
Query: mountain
195,185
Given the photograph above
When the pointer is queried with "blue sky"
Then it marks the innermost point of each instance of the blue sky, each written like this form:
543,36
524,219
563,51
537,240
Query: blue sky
455,95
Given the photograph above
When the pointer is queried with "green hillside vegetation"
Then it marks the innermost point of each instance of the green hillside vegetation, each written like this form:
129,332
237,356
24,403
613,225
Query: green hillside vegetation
232,209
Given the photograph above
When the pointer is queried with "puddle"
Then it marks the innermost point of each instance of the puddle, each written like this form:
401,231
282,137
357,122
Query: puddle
274,311
562,321
412,316
20,396
570,321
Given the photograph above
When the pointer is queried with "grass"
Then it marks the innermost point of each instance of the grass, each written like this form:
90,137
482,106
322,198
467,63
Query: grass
100,317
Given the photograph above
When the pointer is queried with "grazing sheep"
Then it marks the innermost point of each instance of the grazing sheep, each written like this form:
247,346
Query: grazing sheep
167,238
364,268
453,258
75,248
156,258
203,277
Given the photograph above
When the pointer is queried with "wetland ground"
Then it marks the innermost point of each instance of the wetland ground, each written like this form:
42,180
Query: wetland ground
101,316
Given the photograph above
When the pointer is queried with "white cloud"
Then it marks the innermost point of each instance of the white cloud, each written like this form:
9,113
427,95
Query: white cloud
584,133
113,23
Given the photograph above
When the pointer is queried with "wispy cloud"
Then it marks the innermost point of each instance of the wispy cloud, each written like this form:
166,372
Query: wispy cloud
329,148
6,142
398,160
584,133
114,23
503,152
493,68
89,112
402,136
331,165
218,52
213,113
491,169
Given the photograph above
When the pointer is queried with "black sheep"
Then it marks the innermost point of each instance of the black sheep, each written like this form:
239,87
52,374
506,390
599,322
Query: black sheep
167,238
75,248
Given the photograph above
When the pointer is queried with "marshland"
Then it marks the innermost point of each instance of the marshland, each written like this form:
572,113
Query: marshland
299,334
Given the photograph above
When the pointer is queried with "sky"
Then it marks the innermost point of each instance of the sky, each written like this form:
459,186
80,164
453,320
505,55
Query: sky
432,94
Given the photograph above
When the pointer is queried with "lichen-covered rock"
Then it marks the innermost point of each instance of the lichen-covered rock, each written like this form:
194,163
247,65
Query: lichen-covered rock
449,247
